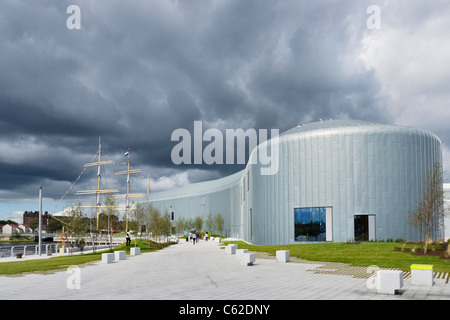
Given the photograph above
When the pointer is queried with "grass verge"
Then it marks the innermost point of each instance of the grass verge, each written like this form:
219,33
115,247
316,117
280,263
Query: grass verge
381,254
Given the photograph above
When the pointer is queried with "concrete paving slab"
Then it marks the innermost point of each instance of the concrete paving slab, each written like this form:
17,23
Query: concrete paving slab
201,272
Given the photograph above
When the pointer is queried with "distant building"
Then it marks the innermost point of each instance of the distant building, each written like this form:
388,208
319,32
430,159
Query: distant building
24,229
30,217
9,229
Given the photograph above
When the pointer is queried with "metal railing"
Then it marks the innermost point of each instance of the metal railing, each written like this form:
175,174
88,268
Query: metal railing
26,250
49,249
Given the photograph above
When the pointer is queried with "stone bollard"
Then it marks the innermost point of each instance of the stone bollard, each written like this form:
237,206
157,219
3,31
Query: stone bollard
422,274
389,281
134,251
283,255
240,252
120,255
247,259
231,249
107,258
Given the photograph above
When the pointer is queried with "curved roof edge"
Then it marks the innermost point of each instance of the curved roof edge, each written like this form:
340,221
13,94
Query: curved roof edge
220,184
199,188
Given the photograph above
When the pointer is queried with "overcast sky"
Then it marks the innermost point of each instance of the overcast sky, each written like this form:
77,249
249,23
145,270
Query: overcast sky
137,70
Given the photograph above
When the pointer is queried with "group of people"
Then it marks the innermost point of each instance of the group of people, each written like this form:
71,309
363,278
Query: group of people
191,236
194,237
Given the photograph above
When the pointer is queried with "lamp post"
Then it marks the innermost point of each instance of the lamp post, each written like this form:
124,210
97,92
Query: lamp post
172,222
40,220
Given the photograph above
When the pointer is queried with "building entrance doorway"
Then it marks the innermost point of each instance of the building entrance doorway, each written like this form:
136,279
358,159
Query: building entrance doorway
364,227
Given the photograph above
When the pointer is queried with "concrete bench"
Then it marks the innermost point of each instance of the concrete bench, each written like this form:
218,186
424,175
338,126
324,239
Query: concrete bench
134,251
217,240
389,281
247,259
120,255
283,255
107,257
231,249
422,274
240,252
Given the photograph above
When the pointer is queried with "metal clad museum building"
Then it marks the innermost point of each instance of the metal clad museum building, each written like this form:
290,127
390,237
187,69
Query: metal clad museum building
337,180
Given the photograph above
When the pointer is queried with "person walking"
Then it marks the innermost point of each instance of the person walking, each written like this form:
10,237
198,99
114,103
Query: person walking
206,236
128,238
194,238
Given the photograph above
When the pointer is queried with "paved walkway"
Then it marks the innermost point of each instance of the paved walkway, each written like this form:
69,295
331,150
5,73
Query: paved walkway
204,272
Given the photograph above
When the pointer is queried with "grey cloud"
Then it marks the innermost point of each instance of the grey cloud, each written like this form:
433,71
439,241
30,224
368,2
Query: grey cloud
138,70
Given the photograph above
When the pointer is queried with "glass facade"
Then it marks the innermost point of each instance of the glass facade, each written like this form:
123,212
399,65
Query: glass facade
310,224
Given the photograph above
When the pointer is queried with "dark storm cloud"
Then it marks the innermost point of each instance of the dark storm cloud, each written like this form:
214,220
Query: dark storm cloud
138,70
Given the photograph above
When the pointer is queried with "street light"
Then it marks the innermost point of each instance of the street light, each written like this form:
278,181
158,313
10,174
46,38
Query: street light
172,222
40,219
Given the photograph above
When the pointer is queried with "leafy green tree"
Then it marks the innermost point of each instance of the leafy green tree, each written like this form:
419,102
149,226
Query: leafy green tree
198,223
110,214
220,223
165,224
54,225
209,223
181,224
79,224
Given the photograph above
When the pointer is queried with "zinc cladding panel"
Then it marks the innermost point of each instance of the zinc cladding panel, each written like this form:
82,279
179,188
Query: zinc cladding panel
356,183
359,169
328,170
335,187
321,180
342,171
314,178
364,192
308,174
293,187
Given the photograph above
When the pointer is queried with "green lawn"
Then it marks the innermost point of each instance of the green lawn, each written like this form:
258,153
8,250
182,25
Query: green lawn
381,254
55,263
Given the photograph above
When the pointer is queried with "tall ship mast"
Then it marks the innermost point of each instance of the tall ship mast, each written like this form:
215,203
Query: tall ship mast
128,195
99,191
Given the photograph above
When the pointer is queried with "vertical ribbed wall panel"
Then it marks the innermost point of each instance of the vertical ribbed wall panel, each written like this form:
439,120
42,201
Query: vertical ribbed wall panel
355,168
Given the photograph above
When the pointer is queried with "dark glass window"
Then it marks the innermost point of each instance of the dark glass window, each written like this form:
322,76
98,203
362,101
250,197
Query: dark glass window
310,224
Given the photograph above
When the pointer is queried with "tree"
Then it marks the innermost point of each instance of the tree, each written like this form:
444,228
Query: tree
110,211
189,224
219,223
430,212
198,223
79,225
181,224
209,222
153,220
54,225
139,217
165,224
